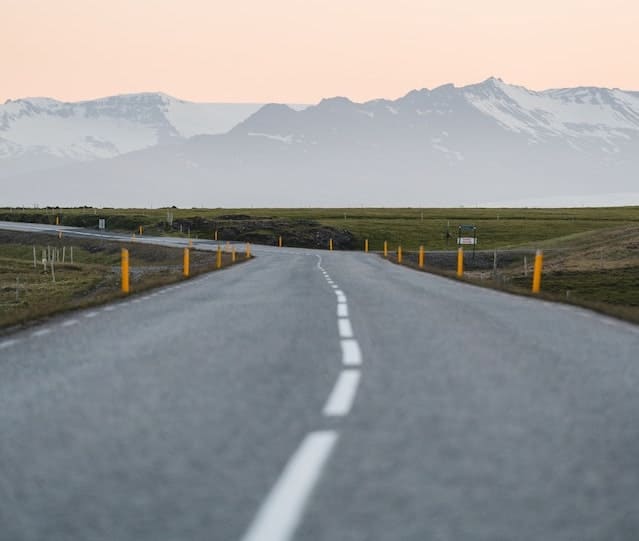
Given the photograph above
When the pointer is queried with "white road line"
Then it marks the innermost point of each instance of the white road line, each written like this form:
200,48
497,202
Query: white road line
342,310
41,332
108,308
339,292
69,323
89,315
340,401
8,343
351,352
135,301
334,286
341,299
345,328
282,510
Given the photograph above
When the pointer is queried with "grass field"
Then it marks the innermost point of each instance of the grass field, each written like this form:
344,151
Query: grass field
596,269
497,228
592,254
29,292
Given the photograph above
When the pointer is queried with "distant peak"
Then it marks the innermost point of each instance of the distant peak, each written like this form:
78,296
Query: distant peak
337,100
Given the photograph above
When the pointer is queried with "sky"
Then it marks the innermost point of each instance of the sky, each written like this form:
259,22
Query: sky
300,51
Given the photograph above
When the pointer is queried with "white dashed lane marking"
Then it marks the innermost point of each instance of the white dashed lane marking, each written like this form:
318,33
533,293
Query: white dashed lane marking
345,328
351,352
90,315
340,401
283,508
342,310
8,343
41,332
69,323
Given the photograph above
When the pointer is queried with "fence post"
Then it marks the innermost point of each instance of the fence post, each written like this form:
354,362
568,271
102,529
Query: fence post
330,244
233,254
399,254
421,257
187,263
125,271
385,248
366,246
218,258
460,262
279,241
539,261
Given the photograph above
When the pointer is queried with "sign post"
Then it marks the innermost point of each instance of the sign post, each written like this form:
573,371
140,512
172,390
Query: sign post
467,236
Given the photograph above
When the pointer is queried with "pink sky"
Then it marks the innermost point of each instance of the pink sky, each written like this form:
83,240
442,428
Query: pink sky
303,50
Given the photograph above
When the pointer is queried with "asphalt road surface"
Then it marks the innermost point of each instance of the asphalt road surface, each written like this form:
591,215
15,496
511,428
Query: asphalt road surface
321,396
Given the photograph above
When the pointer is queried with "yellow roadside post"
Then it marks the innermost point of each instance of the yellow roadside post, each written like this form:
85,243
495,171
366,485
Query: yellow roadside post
59,234
248,250
215,236
279,241
190,243
399,254
460,262
125,270
233,255
421,257
187,263
227,247
141,230
57,220
366,246
539,261
218,259
330,244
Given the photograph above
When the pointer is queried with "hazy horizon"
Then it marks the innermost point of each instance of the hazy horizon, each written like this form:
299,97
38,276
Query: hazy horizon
292,52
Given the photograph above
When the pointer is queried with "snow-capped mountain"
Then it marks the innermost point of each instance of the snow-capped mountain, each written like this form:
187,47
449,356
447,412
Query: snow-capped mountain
452,145
37,133
582,118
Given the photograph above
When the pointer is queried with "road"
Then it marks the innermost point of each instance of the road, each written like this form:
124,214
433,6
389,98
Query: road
321,396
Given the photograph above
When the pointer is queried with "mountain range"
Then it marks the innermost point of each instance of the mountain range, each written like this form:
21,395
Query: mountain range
489,141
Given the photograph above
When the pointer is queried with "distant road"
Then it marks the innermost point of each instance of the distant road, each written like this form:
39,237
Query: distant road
315,396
